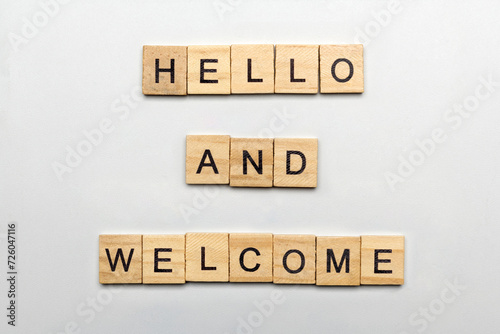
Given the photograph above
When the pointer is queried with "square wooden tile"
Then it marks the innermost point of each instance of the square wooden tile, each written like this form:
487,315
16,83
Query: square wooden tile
338,260
251,257
294,259
209,69
207,257
252,69
382,260
207,159
297,69
295,162
341,68
164,70
120,259
163,259
251,162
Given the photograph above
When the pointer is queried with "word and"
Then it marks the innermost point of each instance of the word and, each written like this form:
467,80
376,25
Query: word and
252,69
252,162
251,257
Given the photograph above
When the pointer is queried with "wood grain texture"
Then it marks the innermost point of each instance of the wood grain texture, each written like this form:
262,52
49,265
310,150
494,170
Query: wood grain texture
252,69
214,266
246,150
295,175
125,251
304,59
287,250
170,252
341,68
330,252
164,56
196,153
389,269
217,69
260,264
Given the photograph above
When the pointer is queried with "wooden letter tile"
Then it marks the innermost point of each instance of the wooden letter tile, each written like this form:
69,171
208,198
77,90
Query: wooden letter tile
295,162
382,260
163,259
251,257
252,69
338,260
209,69
120,259
207,257
164,70
341,68
294,259
251,162
297,69
207,159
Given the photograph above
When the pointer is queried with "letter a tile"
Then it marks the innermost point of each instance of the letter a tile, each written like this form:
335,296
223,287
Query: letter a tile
207,159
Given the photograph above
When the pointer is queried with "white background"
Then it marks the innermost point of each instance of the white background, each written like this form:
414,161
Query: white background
83,63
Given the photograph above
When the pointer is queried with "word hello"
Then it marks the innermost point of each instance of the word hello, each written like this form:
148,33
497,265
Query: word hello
251,257
252,162
252,69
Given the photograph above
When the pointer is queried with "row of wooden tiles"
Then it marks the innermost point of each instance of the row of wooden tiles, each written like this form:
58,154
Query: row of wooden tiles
252,69
251,257
252,162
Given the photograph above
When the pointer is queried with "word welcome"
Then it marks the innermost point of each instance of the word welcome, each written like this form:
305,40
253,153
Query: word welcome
251,162
251,257
252,69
